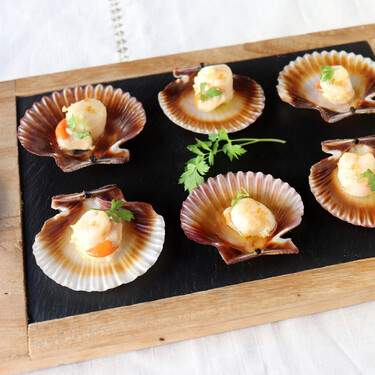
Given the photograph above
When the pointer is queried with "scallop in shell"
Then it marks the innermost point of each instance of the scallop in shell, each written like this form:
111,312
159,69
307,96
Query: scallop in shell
125,119
203,221
141,245
177,102
297,84
328,190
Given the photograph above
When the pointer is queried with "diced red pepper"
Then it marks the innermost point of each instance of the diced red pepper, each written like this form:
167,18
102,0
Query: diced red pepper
102,250
60,131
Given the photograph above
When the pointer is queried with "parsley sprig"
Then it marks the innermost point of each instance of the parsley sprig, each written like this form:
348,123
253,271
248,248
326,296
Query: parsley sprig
240,195
115,213
326,73
370,175
210,93
206,151
77,132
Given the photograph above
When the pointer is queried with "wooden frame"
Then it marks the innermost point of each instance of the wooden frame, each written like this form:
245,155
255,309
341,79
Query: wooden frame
26,346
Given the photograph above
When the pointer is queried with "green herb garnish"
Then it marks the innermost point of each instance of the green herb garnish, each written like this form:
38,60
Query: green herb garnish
239,196
77,132
206,151
327,72
115,213
370,175
210,93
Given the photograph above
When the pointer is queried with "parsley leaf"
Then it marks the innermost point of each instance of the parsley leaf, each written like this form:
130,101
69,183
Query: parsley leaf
370,175
213,91
205,145
192,178
210,93
239,196
326,73
115,213
77,132
125,215
195,149
233,151
203,86
206,151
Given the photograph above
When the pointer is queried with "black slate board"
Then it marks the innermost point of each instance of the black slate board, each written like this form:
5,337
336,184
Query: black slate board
157,158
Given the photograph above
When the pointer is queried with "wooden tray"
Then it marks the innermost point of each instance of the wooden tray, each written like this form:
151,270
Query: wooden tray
30,346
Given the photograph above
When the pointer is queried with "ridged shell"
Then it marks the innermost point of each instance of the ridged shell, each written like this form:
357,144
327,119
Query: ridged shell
142,243
298,80
202,215
177,102
327,188
125,119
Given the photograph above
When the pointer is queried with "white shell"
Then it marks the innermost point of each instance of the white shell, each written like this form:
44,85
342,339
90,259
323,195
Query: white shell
328,191
202,214
297,84
141,246
177,102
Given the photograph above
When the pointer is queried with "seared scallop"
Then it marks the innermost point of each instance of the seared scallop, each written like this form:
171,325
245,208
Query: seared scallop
299,84
252,229
122,119
227,105
83,248
339,182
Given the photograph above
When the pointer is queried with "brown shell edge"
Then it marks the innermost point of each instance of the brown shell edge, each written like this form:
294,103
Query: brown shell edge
69,162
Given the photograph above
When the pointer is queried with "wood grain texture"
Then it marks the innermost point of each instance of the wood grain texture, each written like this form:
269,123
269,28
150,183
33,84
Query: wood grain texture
154,323
213,311
224,309
13,320
106,73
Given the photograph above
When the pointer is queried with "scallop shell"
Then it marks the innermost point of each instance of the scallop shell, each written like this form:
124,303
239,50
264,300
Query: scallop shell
327,188
141,246
125,119
177,102
298,80
202,215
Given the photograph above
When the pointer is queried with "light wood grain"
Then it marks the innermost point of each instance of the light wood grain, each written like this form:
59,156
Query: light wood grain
165,321
106,73
9,177
179,318
13,320
213,311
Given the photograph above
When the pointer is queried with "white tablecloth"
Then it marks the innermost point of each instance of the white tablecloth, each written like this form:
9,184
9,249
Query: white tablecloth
46,36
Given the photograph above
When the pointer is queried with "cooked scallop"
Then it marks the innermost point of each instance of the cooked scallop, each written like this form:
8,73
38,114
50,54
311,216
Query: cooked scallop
110,116
254,226
83,248
351,169
218,79
338,89
350,93
250,218
339,183
230,106
92,112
